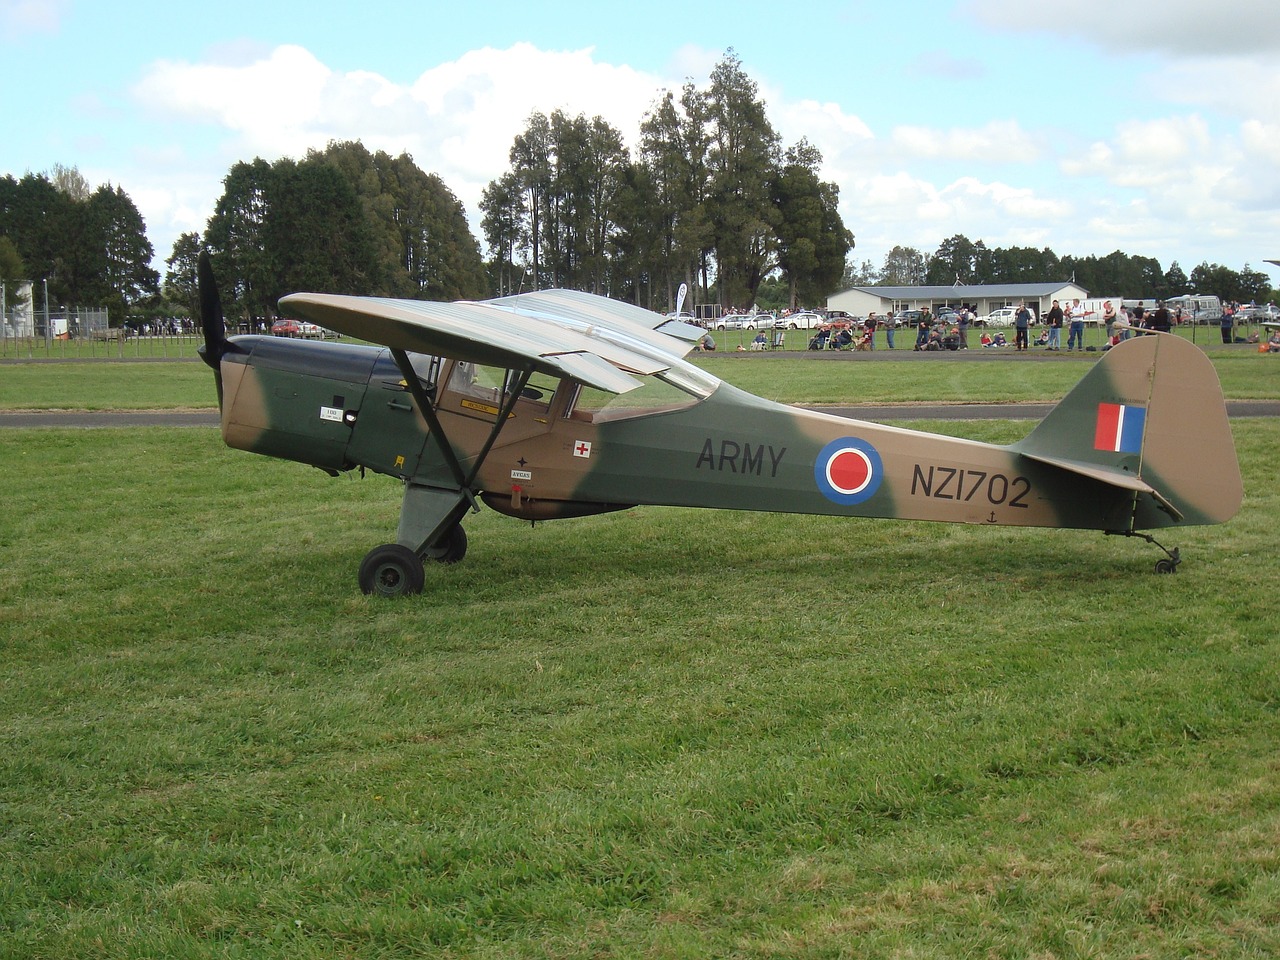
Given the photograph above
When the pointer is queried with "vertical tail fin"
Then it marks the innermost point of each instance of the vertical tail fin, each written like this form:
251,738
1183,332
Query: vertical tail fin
1149,417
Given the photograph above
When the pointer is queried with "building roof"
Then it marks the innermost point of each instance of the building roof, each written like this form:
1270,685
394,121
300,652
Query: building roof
1008,290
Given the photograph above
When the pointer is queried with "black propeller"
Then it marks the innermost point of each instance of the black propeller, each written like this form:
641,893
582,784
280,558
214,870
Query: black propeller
211,321
216,344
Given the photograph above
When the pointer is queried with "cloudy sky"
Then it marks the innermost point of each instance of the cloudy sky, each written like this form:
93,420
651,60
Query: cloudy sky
1148,126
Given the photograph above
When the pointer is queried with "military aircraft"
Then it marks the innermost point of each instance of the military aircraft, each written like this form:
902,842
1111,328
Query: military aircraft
558,404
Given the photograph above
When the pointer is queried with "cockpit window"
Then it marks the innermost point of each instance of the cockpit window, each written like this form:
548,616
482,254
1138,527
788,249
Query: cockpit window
665,392
426,367
488,385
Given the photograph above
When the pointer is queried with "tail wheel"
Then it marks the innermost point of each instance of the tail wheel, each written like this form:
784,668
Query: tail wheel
391,570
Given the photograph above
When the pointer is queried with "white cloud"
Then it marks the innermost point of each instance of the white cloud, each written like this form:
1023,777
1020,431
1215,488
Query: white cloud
1248,28
458,119
18,18
911,184
996,142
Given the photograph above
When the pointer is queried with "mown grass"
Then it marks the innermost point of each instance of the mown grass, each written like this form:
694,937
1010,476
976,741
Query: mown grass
1244,373
665,733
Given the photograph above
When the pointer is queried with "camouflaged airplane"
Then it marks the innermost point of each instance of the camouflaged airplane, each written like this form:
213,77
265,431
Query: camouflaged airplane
562,404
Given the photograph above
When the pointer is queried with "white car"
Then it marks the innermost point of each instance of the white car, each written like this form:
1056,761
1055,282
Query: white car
799,321
734,321
998,318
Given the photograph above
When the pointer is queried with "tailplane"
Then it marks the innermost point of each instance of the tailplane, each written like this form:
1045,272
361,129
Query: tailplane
1149,417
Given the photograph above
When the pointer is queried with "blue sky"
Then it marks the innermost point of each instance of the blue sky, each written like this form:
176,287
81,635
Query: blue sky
1149,127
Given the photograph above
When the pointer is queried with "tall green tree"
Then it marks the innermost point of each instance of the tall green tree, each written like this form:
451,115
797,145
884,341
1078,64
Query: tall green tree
502,221
862,274
12,269
43,223
315,232
742,158
904,267
954,262
414,227
812,238
180,284
1176,281
673,150
236,238
530,158
116,234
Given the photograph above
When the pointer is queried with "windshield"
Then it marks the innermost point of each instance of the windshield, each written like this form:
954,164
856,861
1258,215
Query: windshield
682,385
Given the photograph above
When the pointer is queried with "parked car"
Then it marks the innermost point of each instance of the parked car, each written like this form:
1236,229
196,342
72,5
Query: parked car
1267,311
804,320
285,327
998,318
735,321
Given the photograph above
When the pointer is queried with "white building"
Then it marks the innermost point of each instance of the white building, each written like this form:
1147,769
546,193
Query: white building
983,298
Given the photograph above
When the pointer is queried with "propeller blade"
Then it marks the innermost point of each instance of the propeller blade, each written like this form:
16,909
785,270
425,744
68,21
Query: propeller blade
211,319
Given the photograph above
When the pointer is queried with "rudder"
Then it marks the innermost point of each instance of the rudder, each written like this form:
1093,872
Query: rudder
1151,416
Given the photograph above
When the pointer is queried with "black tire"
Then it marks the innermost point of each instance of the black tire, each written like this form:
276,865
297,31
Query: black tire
391,571
451,547
1165,565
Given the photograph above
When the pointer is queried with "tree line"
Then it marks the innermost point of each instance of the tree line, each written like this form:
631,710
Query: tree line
87,247
959,260
709,200
341,220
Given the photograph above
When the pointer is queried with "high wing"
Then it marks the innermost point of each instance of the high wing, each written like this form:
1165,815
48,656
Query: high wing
598,342
611,318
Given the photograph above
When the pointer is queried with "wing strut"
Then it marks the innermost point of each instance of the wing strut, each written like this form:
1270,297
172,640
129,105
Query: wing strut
428,409
429,513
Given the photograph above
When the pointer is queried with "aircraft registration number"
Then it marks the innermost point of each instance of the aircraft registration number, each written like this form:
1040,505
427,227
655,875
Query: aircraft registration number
965,486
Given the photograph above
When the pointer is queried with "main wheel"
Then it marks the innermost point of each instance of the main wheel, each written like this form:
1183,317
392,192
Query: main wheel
391,570
451,547
1164,565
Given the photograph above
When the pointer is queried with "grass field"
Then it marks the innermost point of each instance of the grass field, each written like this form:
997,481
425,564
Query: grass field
660,733
1245,375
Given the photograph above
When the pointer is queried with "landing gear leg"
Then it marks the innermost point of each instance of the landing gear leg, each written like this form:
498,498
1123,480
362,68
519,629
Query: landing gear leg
1166,564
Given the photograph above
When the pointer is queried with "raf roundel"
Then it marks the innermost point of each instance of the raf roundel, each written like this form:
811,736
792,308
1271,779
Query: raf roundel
848,471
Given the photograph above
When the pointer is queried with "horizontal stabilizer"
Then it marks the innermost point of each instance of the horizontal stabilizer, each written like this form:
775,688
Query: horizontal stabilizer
1148,417
1109,475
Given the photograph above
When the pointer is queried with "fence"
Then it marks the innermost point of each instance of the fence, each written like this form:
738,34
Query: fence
87,340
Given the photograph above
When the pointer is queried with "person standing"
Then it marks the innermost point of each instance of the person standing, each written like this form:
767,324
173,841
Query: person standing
1075,320
1021,324
962,326
890,323
1227,322
1159,318
1054,319
1109,318
869,329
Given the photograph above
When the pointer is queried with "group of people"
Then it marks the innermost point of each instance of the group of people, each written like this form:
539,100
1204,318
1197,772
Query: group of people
949,330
